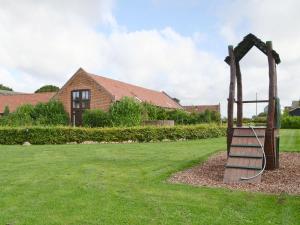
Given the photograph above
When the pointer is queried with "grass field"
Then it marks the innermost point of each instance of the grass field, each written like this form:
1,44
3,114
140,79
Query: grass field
126,184
290,140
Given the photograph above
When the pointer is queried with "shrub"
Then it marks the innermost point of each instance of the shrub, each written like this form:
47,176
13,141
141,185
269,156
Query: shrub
149,111
96,118
179,116
21,117
62,135
290,122
126,112
6,111
51,113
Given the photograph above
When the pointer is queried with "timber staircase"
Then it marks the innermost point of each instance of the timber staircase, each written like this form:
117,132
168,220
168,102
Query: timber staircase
245,157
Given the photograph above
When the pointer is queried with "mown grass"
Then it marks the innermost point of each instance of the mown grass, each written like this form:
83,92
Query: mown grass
290,140
126,184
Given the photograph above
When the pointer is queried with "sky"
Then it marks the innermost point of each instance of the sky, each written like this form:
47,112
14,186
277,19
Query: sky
170,45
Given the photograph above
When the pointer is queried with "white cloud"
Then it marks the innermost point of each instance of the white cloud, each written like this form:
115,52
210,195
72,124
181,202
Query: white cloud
269,20
47,41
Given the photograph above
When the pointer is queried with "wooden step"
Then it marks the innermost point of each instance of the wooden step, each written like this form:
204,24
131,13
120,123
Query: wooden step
246,151
248,135
243,167
249,131
247,140
246,145
245,158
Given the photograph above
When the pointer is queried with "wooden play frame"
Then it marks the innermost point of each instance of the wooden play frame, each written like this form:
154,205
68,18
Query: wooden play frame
271,143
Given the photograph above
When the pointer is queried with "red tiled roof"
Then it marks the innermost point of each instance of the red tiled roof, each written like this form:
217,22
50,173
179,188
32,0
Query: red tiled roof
14,101
201,108
120,89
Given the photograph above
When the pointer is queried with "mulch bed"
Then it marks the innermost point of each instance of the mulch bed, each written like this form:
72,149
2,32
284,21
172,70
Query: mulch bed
286,179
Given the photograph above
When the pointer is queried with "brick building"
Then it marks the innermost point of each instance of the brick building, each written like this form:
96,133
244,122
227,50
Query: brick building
88,91
13,101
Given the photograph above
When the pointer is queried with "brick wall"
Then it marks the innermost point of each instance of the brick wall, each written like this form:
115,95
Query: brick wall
100,99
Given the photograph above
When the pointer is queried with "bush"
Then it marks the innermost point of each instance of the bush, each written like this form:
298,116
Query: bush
126,112
51,113
179,116
6,111
149,111
62,135
96,118
290,122
21,117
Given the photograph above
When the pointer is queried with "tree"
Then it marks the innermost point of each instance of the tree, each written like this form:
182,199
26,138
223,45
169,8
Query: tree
47,88
126,112
5,88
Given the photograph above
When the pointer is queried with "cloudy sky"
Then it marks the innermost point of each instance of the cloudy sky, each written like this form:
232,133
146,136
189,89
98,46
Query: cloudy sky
171,45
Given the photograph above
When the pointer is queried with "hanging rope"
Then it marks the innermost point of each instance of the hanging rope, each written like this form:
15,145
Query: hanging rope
264,158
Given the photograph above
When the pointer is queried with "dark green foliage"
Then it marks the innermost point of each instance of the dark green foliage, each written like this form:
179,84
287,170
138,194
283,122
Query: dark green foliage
126,112
150,112
21,117
6,111
47,88
51,113
5,88
290,122
179,116
61,135
96,118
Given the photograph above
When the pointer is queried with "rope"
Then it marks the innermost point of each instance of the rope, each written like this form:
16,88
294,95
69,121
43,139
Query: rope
264,158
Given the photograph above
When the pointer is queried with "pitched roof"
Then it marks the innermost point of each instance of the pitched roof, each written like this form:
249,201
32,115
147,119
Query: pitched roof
14,101
246,44
201,108
120,89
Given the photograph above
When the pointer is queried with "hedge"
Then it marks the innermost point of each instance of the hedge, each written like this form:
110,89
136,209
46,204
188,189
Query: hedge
290,122
63,135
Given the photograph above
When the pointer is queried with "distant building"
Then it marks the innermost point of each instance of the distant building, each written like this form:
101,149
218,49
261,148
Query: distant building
294,109
295,104
295,112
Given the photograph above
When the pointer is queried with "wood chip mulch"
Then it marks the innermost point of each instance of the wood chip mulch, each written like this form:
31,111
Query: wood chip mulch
286,179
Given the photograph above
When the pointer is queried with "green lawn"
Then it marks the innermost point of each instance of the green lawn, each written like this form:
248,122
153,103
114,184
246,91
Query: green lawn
290,140
126,184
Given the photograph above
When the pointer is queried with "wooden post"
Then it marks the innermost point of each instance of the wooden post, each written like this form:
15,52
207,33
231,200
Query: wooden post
276,131
231,97
239,95
269,136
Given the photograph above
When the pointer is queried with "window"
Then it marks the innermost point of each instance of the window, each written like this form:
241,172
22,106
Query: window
76,99
81,99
